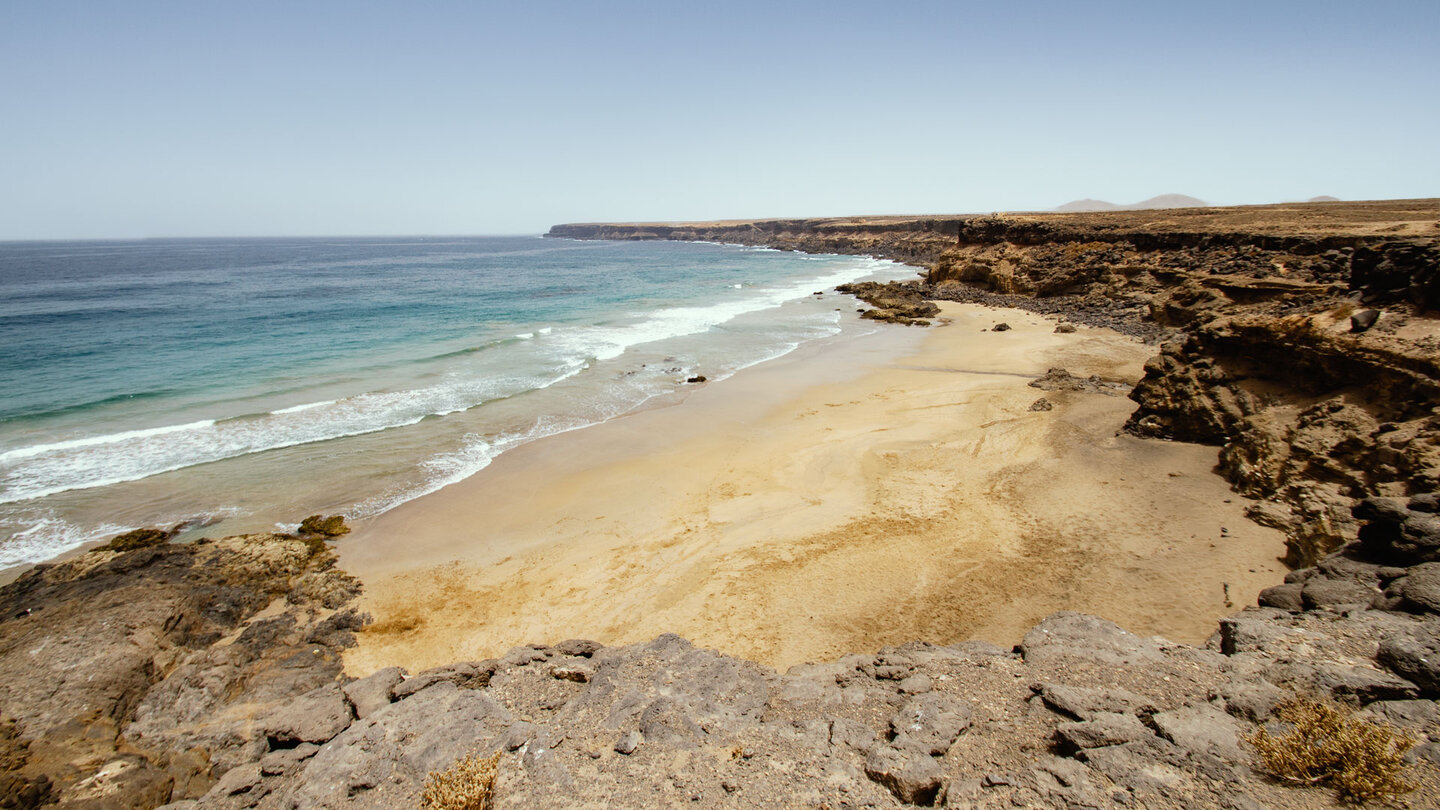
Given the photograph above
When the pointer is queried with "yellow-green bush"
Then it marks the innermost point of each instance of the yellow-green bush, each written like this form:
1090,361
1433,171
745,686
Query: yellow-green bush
468,784
1328,744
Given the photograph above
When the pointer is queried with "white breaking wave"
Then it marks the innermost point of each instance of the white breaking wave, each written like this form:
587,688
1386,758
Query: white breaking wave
46,536
608,342
307,406
96,461
92,441
39,534
477,452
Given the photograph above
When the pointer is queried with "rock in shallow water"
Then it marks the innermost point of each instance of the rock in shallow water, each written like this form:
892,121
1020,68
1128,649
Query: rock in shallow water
321,526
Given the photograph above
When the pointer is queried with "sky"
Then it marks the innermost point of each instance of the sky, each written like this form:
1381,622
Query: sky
159,119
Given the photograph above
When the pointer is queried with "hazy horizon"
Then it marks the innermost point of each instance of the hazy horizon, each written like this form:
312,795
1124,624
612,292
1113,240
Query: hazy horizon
167,120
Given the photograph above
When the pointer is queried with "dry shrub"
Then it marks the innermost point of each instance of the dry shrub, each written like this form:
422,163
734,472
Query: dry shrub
1327,743
468,784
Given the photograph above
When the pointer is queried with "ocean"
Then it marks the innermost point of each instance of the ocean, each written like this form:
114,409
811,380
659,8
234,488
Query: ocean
239,385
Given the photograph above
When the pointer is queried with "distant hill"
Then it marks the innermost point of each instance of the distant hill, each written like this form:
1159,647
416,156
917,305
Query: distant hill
1162,201
1088,204
1324,198
1168,201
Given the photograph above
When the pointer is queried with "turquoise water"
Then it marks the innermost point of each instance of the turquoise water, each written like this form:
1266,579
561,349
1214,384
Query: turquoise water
240,384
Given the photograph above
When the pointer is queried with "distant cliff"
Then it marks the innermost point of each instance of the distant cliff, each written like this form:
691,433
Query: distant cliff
1393,242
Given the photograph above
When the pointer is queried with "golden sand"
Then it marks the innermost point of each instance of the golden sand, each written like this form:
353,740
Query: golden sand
854,494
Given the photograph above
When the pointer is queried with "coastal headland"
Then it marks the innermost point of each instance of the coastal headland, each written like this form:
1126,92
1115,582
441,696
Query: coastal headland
1134,415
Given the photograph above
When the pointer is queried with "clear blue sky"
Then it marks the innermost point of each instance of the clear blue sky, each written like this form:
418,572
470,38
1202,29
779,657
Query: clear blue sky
132,119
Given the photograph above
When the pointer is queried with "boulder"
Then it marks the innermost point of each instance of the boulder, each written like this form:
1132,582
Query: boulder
930,723
1202,729
373,692
139,538
1416,660
1253,700
321,526
1083,702
1419,590
1102,729
1250,631
577,672
465,674
580,647
1322,592
314,717
913,777
851,734
1285,597
628,743
239,779
386,756
1394,532
1363,319
1361,684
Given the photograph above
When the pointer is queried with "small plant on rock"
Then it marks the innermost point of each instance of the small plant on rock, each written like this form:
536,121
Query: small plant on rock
468,784
1327,743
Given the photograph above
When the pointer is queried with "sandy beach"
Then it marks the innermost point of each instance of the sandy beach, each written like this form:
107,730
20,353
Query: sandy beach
854,494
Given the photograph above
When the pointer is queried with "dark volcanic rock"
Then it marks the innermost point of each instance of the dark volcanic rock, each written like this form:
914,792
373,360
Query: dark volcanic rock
1364,319
1286,597
1416,660
139,538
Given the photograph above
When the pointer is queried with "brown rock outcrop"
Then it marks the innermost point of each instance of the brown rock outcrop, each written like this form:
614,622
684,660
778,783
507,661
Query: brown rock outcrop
133,676
1296,337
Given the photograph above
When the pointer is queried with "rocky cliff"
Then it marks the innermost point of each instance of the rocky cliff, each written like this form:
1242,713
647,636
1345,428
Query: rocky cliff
1299,338
206,675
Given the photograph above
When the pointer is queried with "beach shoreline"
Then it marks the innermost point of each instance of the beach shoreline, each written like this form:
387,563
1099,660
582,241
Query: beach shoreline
855,493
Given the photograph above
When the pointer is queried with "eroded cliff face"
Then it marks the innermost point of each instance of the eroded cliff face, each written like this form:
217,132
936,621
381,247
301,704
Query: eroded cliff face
1301,339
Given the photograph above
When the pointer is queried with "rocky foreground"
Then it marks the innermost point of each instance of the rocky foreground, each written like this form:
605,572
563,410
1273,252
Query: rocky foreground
1295,338
208,675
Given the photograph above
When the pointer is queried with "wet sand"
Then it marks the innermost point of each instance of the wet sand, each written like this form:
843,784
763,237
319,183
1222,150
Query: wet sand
854,494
